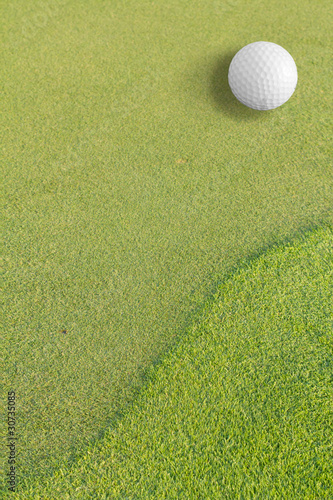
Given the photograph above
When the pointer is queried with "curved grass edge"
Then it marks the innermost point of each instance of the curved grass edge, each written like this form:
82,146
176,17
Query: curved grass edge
132,461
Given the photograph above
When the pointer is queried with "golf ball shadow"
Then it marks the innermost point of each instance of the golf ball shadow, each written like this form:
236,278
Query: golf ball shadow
223,99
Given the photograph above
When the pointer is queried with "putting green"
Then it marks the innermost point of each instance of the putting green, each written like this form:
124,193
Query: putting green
243,407
134,184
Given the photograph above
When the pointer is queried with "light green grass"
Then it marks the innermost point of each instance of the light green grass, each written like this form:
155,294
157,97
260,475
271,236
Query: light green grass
133,184
242,408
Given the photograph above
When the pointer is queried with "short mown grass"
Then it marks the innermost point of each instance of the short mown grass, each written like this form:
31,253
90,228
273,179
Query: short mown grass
242,407
135,184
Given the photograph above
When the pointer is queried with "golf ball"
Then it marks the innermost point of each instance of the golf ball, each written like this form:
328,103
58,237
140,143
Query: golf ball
262,75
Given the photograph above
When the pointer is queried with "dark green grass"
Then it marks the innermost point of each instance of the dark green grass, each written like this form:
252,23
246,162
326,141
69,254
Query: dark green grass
133,183
242,408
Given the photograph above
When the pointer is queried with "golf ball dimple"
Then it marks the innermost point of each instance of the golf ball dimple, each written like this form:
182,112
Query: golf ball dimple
262,75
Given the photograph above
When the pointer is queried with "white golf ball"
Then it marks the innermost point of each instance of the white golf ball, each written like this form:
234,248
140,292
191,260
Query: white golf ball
262,75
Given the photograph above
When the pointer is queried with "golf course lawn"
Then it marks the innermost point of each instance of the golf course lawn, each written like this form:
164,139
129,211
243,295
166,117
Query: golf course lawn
242,408
167,253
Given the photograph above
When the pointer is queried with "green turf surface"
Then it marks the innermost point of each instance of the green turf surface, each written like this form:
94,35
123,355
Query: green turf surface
243,407
134,183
